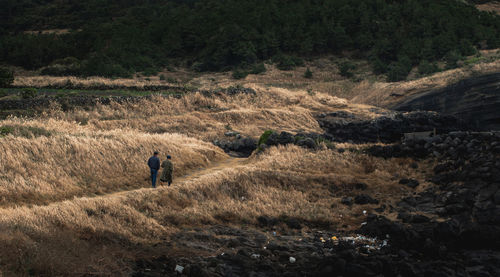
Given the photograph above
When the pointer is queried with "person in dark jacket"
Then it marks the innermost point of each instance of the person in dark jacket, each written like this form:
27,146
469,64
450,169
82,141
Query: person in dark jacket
154,166
168,170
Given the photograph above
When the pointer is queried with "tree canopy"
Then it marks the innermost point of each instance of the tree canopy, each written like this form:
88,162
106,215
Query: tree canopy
119,37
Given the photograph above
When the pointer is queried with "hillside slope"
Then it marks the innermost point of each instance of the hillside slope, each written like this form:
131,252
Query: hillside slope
206,35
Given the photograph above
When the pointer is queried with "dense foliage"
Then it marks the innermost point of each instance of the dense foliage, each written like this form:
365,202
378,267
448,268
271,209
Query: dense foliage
118,37
6,77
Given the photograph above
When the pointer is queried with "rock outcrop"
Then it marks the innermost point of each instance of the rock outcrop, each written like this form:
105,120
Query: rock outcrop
388,128
475,100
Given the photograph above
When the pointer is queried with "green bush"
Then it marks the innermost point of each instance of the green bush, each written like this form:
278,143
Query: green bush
263,138
24,131
239,74
258,68
427,68
345,69
285,62
379,67
452,59
308,74
397,72
162,77
5,130
172,80
64,67
6,77
29,93
150,72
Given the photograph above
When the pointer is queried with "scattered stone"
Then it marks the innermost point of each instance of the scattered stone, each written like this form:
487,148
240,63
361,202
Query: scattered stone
231,134
179,269
363,199
412,183
347,201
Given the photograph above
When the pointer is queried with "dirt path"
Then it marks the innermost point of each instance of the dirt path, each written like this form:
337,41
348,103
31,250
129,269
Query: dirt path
230,162
218,166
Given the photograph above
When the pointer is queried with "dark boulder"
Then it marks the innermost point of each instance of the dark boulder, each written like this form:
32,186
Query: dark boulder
363,199
307,143
347,201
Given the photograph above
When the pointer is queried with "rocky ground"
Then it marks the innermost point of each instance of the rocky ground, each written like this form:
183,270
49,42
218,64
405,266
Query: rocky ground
449,229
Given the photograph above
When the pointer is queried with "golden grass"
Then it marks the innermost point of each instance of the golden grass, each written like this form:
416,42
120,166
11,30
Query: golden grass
76,199
46,169
382,94
207,118
45,81
284,181
365,88
492,6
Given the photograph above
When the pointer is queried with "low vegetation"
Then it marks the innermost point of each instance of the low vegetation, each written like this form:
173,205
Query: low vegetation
208,35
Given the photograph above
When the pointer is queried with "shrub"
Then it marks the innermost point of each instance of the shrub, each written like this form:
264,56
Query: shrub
397,72
426,68
285,62
162,77
150,72
452,59
29,93
5,130
239,74
63,67
6,77
379,67
263,138
171,80
308,74
258,68
24,131
345,69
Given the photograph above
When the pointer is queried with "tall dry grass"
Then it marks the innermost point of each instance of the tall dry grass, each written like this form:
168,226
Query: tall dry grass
89,82
104,149
75,197
208,117
51,168
104,231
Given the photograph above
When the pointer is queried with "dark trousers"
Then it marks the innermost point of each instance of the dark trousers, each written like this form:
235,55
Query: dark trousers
154,173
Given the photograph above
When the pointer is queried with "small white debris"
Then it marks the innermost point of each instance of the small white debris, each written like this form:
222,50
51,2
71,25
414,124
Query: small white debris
364,223
364,212
179,269
274,233
255,256
292,260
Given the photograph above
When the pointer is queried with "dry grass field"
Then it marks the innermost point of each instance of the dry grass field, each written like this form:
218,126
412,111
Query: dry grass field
75,197
74,189
363,88
491,6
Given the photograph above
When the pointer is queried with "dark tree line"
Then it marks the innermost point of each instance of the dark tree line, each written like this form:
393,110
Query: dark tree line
118,37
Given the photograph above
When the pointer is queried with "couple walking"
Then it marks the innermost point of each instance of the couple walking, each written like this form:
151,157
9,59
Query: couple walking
154,166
